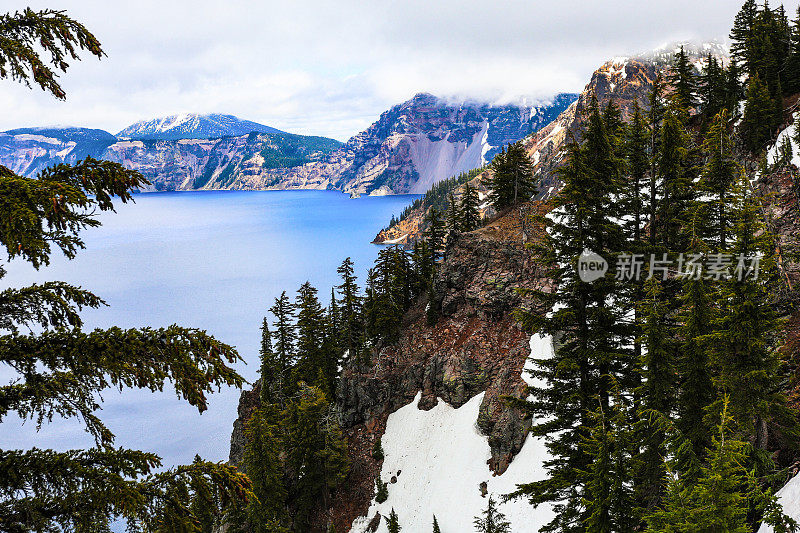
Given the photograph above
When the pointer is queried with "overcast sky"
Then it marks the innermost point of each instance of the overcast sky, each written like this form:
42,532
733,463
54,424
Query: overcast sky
330,68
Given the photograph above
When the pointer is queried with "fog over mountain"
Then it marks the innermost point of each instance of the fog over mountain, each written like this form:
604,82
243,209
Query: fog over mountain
329,70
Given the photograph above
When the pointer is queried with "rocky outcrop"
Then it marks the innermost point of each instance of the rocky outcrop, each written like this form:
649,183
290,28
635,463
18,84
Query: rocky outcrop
477,345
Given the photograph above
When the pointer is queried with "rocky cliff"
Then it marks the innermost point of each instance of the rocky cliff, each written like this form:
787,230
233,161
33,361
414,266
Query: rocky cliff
426,139
626,80
255,160
475,347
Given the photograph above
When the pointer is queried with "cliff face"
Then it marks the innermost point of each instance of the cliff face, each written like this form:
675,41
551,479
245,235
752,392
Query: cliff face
475,346
427,139
256,160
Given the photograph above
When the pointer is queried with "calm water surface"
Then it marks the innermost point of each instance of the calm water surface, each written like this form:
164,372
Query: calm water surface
211,260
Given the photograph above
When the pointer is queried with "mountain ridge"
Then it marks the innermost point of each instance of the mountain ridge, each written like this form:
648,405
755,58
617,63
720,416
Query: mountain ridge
192,126
410,147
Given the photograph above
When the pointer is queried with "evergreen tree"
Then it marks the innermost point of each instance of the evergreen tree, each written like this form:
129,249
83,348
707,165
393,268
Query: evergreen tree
382,492
285,334
62,370
491,520
656,393
435,232
436,525
713,89
589,356
469,210
393,524
315,451
351,320
682,80
609,499
633,200
615,127
453,220
733,89
423,267
696,390
784,155
655,117
313,360
746,329
263,466
512,177
718,175
389,293
675,172
742,36
377,450
721,496
757,121
270,372
793,61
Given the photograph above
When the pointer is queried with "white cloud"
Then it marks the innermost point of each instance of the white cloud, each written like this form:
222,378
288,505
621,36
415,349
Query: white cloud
330,68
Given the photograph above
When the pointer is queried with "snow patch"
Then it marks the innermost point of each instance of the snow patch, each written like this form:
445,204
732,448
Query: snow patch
789,498
789,132
442,458
485,146
397,240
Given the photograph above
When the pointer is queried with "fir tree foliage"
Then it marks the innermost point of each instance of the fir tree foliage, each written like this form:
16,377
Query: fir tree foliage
491,519
382,490
436,525
469,214
512,179
393,523
60,370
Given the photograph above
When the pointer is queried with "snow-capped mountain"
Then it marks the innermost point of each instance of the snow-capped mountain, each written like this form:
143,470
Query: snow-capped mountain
178,164
193,126
663,55
422,141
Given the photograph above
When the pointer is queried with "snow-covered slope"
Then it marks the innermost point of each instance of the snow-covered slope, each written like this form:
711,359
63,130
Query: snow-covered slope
438,458
788,133
193,126
789,498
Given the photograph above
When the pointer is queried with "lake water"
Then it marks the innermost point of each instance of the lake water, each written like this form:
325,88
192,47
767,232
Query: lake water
211,260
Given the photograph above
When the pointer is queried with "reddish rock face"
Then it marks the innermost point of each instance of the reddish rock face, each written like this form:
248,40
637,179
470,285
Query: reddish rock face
476,346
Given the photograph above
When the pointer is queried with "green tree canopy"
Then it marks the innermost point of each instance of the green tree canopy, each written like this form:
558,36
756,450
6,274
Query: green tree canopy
60,370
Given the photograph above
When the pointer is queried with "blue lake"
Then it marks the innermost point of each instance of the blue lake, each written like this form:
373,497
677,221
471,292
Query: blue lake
211,260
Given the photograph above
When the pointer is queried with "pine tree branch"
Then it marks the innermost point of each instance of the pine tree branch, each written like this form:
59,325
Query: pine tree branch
22,37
